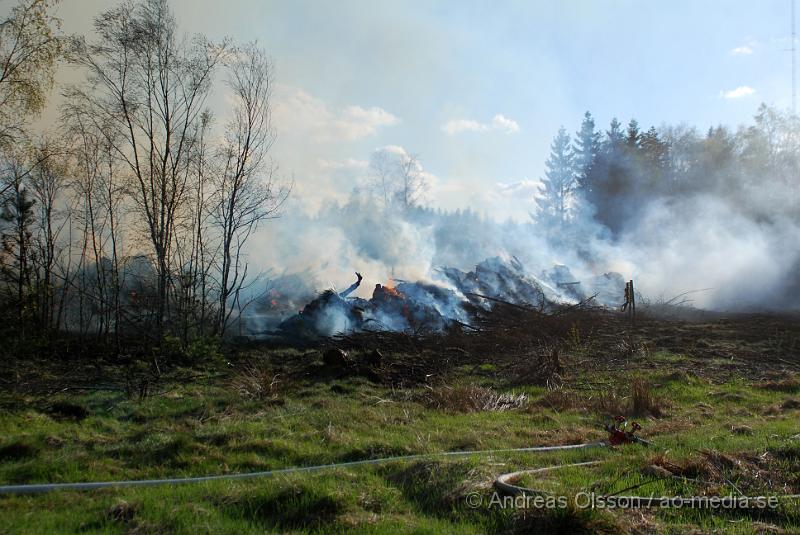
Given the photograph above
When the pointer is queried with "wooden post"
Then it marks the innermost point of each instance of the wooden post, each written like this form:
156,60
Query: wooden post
633,302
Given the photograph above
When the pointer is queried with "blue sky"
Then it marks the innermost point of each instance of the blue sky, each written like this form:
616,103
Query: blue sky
478,89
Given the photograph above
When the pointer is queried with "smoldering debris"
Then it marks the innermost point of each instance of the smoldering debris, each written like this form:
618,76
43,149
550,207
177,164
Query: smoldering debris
423,307
499,279
525,343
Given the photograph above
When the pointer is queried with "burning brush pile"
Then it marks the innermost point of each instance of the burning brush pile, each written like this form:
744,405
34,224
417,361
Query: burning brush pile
456,301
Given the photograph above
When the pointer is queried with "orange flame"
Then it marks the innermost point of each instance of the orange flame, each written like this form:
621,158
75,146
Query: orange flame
390,288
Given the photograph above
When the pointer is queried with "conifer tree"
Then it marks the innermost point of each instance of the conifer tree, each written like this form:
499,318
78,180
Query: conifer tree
614,135
558,184
633,135
586,149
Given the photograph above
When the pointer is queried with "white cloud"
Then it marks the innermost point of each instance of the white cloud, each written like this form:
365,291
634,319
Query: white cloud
747,48
356,122
523,187
348,163
297,110
394,149
744,50
499,123
739,92
462,125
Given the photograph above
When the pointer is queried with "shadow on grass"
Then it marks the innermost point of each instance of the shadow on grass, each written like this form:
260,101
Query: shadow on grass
296,508
376,450
566,521
157,451
16,451
440,489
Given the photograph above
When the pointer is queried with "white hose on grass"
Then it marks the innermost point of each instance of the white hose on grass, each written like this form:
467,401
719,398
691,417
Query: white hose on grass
504,484
37,488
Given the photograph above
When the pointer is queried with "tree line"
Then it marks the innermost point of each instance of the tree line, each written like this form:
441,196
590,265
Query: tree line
612,176
130,217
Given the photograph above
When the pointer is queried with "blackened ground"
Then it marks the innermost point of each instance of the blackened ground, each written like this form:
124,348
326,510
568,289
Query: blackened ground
523,345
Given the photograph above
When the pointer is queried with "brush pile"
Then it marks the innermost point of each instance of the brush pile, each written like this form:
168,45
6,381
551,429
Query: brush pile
490,296
522,342
496,313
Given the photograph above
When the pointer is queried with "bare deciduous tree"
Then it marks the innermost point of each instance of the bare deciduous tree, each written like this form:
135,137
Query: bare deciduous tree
149,87
48,183
98,193
397,178
246,191
196,270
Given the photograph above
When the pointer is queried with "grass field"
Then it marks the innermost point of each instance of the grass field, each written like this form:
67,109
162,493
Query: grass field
717,429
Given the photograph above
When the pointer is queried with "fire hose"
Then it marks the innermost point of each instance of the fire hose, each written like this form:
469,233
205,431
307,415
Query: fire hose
505,486
618,434
37,488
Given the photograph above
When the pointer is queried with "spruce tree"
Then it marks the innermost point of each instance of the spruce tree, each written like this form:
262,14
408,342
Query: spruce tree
655,164
655,151
558,184
586,149
614,135
610,176
633,135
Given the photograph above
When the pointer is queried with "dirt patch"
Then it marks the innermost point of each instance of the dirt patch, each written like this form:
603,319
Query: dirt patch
789,384
791,404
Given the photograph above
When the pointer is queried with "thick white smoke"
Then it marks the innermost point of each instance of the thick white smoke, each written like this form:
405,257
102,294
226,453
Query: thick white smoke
728,234
704,243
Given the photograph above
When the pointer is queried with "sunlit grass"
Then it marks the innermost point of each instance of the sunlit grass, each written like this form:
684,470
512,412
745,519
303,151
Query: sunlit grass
197,430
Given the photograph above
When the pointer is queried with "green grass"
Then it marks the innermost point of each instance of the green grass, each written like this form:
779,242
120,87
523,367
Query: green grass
198,429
